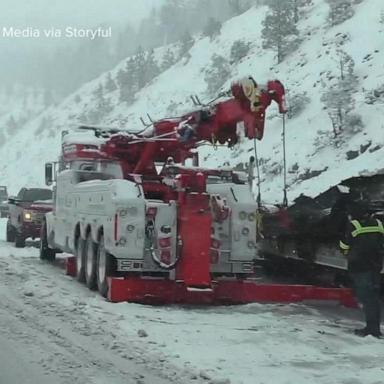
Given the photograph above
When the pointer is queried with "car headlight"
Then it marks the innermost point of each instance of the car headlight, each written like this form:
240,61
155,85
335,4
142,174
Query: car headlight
27,216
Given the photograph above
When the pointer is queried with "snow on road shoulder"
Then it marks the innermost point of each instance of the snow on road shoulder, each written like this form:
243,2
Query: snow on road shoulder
249,344
261,343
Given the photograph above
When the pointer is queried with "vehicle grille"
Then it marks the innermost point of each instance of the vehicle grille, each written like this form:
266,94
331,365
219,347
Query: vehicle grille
37,217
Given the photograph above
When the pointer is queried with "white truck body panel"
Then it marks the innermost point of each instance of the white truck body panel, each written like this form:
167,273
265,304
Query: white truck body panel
237,233
117,208
95,205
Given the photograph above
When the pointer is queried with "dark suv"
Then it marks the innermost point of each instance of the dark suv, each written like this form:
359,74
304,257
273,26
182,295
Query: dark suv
26,214
3,201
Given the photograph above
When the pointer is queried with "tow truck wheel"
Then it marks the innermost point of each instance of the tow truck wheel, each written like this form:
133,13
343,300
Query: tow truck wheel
104,267
90,263
79,254
46,253
19,240
10,232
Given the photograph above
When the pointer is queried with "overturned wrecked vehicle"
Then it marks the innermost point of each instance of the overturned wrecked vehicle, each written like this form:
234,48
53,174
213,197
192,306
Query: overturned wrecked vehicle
309,230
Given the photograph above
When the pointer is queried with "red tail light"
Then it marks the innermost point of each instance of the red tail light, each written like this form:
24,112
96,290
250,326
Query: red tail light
165,257
165,242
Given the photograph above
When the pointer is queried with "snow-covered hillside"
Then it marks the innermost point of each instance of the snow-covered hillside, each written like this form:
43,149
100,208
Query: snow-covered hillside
18,106
311,147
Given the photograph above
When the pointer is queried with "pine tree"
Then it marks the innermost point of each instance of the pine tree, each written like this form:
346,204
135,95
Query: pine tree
338,99
297,103
173,19
279,32
346,66
239,49
217,74
99,91
131,72
151,67
139,68
121,83
186,44
102,106
339,11
296,5
168,60
235,7
125,42
338,102
110,84
212,28
126,82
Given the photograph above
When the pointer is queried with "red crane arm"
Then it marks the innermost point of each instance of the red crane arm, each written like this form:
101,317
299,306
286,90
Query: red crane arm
215,122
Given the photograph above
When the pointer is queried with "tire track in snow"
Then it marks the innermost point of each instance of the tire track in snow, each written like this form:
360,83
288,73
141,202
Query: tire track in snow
67,336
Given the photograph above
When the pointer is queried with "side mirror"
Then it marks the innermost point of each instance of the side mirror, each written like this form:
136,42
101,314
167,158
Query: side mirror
49,173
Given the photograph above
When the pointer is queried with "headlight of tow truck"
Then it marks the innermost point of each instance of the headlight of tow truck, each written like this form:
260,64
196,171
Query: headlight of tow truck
27,216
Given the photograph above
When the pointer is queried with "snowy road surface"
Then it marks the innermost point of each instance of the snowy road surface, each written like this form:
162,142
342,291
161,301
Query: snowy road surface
15,366
53,330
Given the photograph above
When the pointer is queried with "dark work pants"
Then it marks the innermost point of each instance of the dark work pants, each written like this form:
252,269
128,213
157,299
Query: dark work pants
367,290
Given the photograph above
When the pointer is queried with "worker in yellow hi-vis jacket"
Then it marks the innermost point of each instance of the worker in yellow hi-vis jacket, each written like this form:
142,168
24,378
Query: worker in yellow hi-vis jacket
363,246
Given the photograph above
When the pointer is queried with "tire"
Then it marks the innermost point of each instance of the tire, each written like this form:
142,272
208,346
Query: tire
105,267
10,237
90,263
19,240
80,259
46,253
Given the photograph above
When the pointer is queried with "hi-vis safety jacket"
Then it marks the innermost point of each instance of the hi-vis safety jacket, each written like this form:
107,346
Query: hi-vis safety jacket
363,245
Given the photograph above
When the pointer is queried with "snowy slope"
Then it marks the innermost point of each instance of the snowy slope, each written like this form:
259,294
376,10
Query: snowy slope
17,108
310,143
74,336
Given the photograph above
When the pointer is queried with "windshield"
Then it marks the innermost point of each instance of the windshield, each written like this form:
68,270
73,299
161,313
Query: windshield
37,195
